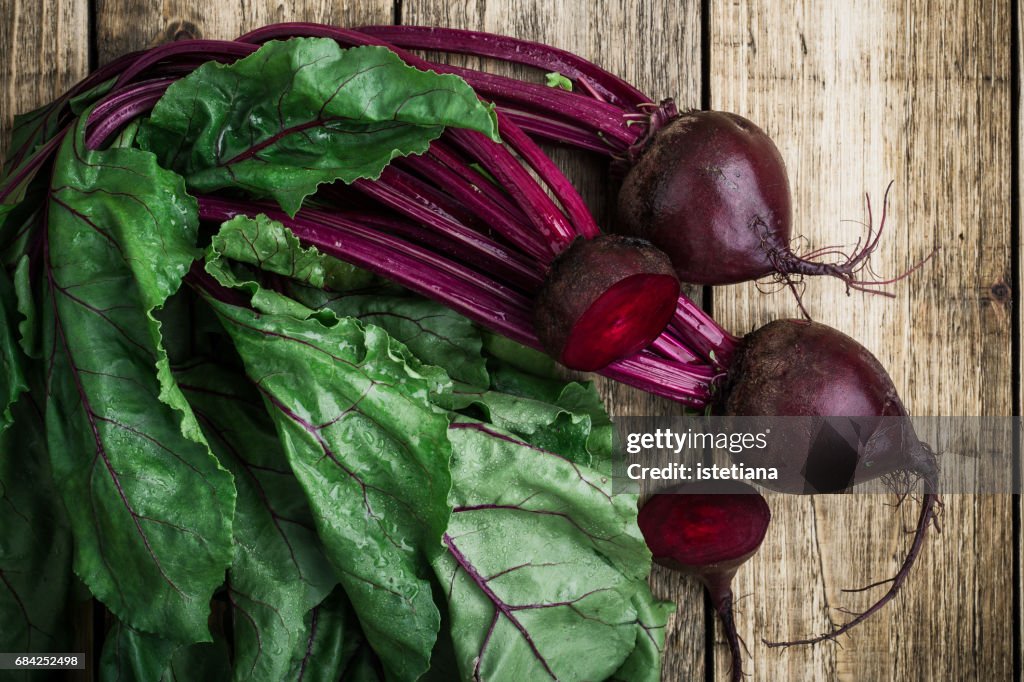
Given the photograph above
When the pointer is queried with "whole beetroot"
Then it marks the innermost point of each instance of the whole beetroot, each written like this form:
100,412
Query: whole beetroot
710,189
795,368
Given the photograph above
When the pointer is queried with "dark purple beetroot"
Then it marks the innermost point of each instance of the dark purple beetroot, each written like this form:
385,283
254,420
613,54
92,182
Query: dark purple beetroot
708,534
710,189
798,368
604,299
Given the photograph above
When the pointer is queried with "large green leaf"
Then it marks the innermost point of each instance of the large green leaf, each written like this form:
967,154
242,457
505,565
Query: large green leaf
567,418
353,410
35,544
279,572
364,667
303,112
150,506
133,656
543,563
204,662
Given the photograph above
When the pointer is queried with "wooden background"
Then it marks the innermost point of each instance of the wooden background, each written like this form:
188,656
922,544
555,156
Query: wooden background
854,94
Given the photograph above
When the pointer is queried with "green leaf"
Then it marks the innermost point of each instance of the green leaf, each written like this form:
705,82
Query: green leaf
557,80
280,571
151,507
12,375
35,546
21,219
435,334
330,638
365,667
206,662
303,112
36,127
133,656
644,663
28,328
353,410
543,562
83,100
246,249
559,426
270,246
261,241
567,418
527,360
28,131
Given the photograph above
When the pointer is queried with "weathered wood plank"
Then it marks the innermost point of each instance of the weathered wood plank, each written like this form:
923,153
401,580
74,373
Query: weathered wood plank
1016,288
45,48
855,96
122,25
615,35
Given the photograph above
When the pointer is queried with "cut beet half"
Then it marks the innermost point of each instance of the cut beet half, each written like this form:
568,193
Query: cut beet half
605,299
708,530
702,533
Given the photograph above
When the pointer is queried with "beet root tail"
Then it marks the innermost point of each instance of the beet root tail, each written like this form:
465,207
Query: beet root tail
928,512
851,266
725,613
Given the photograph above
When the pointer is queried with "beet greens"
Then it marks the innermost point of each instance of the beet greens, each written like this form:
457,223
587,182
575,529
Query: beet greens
234,435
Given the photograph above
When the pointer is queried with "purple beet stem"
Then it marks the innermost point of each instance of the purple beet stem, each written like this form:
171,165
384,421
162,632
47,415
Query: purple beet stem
513,50
483,300
460,288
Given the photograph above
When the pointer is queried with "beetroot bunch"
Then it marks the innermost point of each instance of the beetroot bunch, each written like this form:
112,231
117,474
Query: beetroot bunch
494,230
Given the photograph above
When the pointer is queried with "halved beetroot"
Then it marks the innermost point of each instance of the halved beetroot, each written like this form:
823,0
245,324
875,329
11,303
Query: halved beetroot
605,299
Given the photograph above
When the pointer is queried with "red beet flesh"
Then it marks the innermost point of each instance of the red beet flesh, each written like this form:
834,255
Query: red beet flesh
697,531
604,299
708,534
798,368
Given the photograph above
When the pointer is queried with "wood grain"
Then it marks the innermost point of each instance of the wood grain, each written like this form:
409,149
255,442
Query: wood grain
45,48
855,96
616,36
125,25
